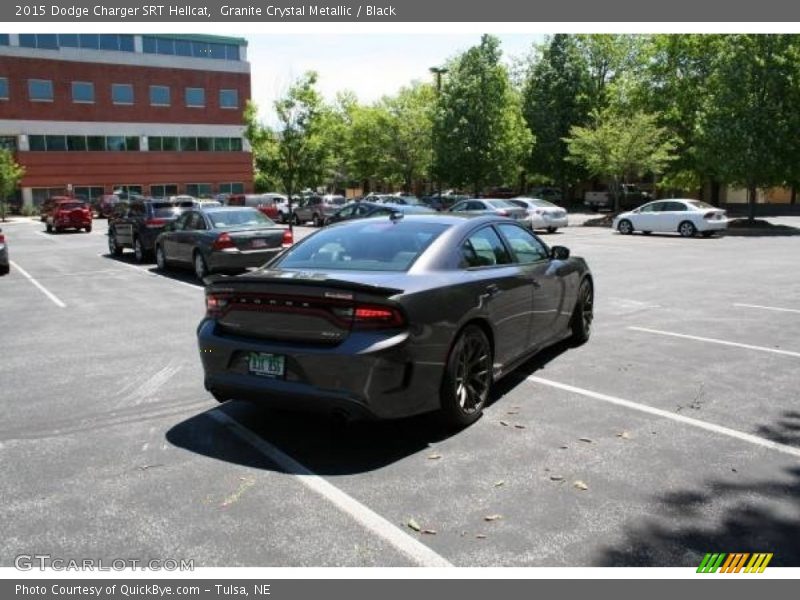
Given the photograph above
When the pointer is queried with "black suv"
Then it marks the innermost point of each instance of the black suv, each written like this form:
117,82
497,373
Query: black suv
136,223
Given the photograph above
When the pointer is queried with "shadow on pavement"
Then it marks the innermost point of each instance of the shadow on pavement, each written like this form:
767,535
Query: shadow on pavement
322,444
760,515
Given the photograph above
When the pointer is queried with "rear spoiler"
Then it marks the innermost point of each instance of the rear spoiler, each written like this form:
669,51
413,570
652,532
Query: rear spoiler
223,283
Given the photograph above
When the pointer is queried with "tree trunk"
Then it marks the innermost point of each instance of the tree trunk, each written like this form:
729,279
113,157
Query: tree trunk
794,195
751,203
715,189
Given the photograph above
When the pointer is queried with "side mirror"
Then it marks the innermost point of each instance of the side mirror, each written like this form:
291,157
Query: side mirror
559,253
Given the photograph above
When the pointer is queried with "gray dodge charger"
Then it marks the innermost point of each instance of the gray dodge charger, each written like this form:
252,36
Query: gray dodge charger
391,317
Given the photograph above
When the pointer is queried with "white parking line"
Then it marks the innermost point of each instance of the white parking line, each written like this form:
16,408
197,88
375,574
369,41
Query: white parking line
44,290
716,341
789,310
147,271
412,548
48,236
733,433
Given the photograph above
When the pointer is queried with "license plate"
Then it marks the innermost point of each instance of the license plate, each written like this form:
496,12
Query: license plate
259,243
267,365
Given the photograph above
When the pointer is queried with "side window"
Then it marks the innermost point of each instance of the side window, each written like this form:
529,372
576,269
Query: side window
524,244
136,210
484,248
654,207
361,209
675,207
346,212
459,207
180,223
475,206
196,222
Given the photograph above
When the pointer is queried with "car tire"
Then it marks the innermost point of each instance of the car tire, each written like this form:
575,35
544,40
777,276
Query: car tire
5,269
161,259
317,220
113,249
583,314
49,228
88,229
647,232
552,229
706,234
625,227
139,253
687,229
200,267
283,219
469,362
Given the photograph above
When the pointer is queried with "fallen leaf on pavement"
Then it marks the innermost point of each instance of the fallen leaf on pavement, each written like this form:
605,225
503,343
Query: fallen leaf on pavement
518,426
580,485
587,440
624,435
556,478
434,456
499,483
429,531
414,525
492,517
504,423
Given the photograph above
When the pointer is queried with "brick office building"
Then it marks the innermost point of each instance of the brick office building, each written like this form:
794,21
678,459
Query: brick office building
151,114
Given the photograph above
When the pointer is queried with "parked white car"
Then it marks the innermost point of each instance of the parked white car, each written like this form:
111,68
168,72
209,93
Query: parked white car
542,214
684,216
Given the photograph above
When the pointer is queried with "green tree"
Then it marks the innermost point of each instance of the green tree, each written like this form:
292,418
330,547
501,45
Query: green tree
264,148
410,123
480,136
10,175
617,147
555,99
747,130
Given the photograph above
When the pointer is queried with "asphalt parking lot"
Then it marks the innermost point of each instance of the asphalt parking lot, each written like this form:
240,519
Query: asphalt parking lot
675,431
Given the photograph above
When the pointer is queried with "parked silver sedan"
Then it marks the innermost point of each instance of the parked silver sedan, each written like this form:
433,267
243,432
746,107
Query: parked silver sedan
220,239
542,214
490,206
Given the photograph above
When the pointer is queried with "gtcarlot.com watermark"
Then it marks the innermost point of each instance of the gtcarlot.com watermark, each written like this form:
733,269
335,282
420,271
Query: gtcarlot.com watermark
43,562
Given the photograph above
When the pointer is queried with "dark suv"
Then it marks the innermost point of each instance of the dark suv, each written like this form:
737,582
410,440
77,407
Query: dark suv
136,224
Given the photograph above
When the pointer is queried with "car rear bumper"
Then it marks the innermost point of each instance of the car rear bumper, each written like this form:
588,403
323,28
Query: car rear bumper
712,225
556,222
368,376
236,261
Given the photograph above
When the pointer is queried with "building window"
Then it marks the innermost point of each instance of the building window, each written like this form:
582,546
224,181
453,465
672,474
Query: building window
115,143
89,194
132,143
188,144
8,142
40,90
195,48
82,91
164,191
205,144
159,95
4,41
47,41
95,143
56,143
68,40
36,143
3,88
76,143
195,97
228,99
122,93
231,188
89,40
222,144
198,190
169,144
236,144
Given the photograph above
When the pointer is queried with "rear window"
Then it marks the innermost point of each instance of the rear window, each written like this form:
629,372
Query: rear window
71,205
700,204
542,203
233,219
164,210
368,245
499,204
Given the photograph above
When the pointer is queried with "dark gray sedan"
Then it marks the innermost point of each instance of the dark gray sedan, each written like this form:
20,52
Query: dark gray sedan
490,206
220,239
385,318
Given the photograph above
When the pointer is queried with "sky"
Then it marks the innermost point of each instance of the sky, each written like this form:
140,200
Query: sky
371,65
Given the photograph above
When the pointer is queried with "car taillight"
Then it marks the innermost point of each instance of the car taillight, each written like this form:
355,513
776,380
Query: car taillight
155,223
223,242
215,305
376,317
288,238
2,238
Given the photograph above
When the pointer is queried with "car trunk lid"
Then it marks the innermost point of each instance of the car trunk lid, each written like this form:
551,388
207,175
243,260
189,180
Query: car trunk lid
295,306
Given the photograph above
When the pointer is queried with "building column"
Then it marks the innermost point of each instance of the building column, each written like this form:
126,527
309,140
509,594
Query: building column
27,196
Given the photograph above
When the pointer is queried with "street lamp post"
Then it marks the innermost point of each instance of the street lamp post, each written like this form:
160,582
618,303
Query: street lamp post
438,72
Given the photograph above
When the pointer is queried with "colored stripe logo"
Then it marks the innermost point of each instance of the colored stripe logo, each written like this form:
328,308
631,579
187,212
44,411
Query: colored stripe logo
738,562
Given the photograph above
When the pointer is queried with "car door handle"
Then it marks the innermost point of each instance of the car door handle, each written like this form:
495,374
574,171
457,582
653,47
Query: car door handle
492,290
